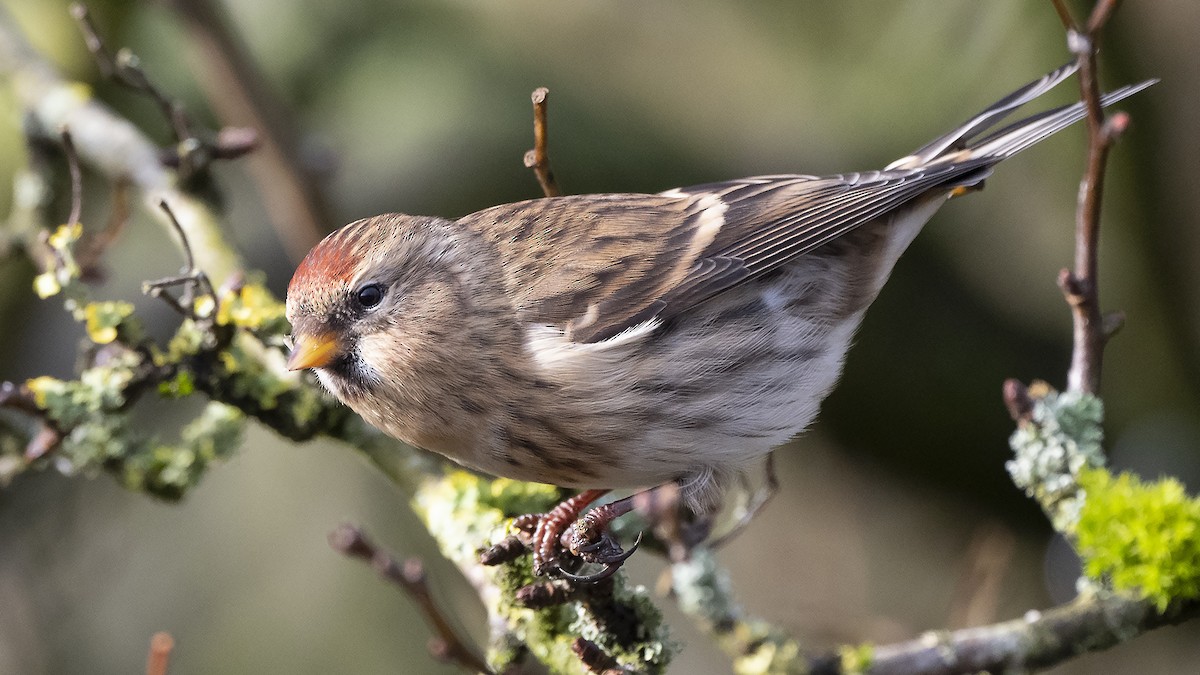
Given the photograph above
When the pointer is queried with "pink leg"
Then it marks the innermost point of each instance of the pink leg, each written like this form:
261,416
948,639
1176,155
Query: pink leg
550,529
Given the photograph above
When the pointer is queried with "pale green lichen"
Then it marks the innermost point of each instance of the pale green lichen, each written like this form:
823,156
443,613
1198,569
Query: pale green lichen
1142,537
62,272
253,308
1063,437
106,321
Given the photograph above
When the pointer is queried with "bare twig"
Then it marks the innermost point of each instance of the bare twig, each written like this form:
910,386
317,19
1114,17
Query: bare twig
1017,400
538,158
195,146
125,69
1064,14
410,576
192,280
76,177
93,247
1080,284
159,657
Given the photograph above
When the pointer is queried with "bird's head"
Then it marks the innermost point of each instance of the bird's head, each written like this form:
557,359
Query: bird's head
377,301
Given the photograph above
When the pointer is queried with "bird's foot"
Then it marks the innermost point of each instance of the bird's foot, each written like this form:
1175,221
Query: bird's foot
562,541
590,541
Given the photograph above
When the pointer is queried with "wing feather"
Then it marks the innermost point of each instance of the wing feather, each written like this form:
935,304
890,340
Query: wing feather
597,265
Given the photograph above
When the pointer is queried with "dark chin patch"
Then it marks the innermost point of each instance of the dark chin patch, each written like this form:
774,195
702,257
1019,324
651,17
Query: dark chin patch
349,377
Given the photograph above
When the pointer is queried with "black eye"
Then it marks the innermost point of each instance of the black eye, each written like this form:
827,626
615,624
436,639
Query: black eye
370,295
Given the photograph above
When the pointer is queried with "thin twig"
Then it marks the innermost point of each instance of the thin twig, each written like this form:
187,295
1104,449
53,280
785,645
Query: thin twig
125,69
93,247
538,158
195,283
159,657
410,576
76,177
195,146
1064,14
1080,285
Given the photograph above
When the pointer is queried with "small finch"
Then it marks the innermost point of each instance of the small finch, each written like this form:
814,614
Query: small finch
628,340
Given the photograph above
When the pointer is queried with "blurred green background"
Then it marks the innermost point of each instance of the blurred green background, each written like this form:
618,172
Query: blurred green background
896,515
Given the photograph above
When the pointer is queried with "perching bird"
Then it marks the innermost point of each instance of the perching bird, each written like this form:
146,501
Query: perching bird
628,340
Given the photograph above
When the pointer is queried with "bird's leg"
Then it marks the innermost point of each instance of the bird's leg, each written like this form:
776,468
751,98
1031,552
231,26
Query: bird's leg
758,500
550,527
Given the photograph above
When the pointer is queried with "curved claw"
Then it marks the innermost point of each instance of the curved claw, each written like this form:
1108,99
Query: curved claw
603,574
632,549
610,566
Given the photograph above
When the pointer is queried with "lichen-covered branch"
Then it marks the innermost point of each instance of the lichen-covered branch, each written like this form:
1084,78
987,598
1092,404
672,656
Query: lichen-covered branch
464,512
109,144
1094,621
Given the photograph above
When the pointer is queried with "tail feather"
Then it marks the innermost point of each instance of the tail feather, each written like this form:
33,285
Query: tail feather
959,137
1020,135
961,144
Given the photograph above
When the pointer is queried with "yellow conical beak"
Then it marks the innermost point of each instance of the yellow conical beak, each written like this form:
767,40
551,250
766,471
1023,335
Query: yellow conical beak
313,351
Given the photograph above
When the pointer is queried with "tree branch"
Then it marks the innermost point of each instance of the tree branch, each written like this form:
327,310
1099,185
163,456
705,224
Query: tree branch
1081,285
109,144
448,646
159,657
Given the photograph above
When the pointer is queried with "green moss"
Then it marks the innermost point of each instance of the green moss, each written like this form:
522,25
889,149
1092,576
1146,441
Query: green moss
857,658
170,470
1142,537
180,386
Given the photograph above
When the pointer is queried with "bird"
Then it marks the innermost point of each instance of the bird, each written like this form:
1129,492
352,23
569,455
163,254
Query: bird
626,341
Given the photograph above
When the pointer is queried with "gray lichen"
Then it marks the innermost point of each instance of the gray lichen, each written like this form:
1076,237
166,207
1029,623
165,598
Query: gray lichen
1063,437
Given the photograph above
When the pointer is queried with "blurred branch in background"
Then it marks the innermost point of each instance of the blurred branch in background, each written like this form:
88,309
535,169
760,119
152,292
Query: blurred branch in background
229,347
409,576
158,660
288,178
195,148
